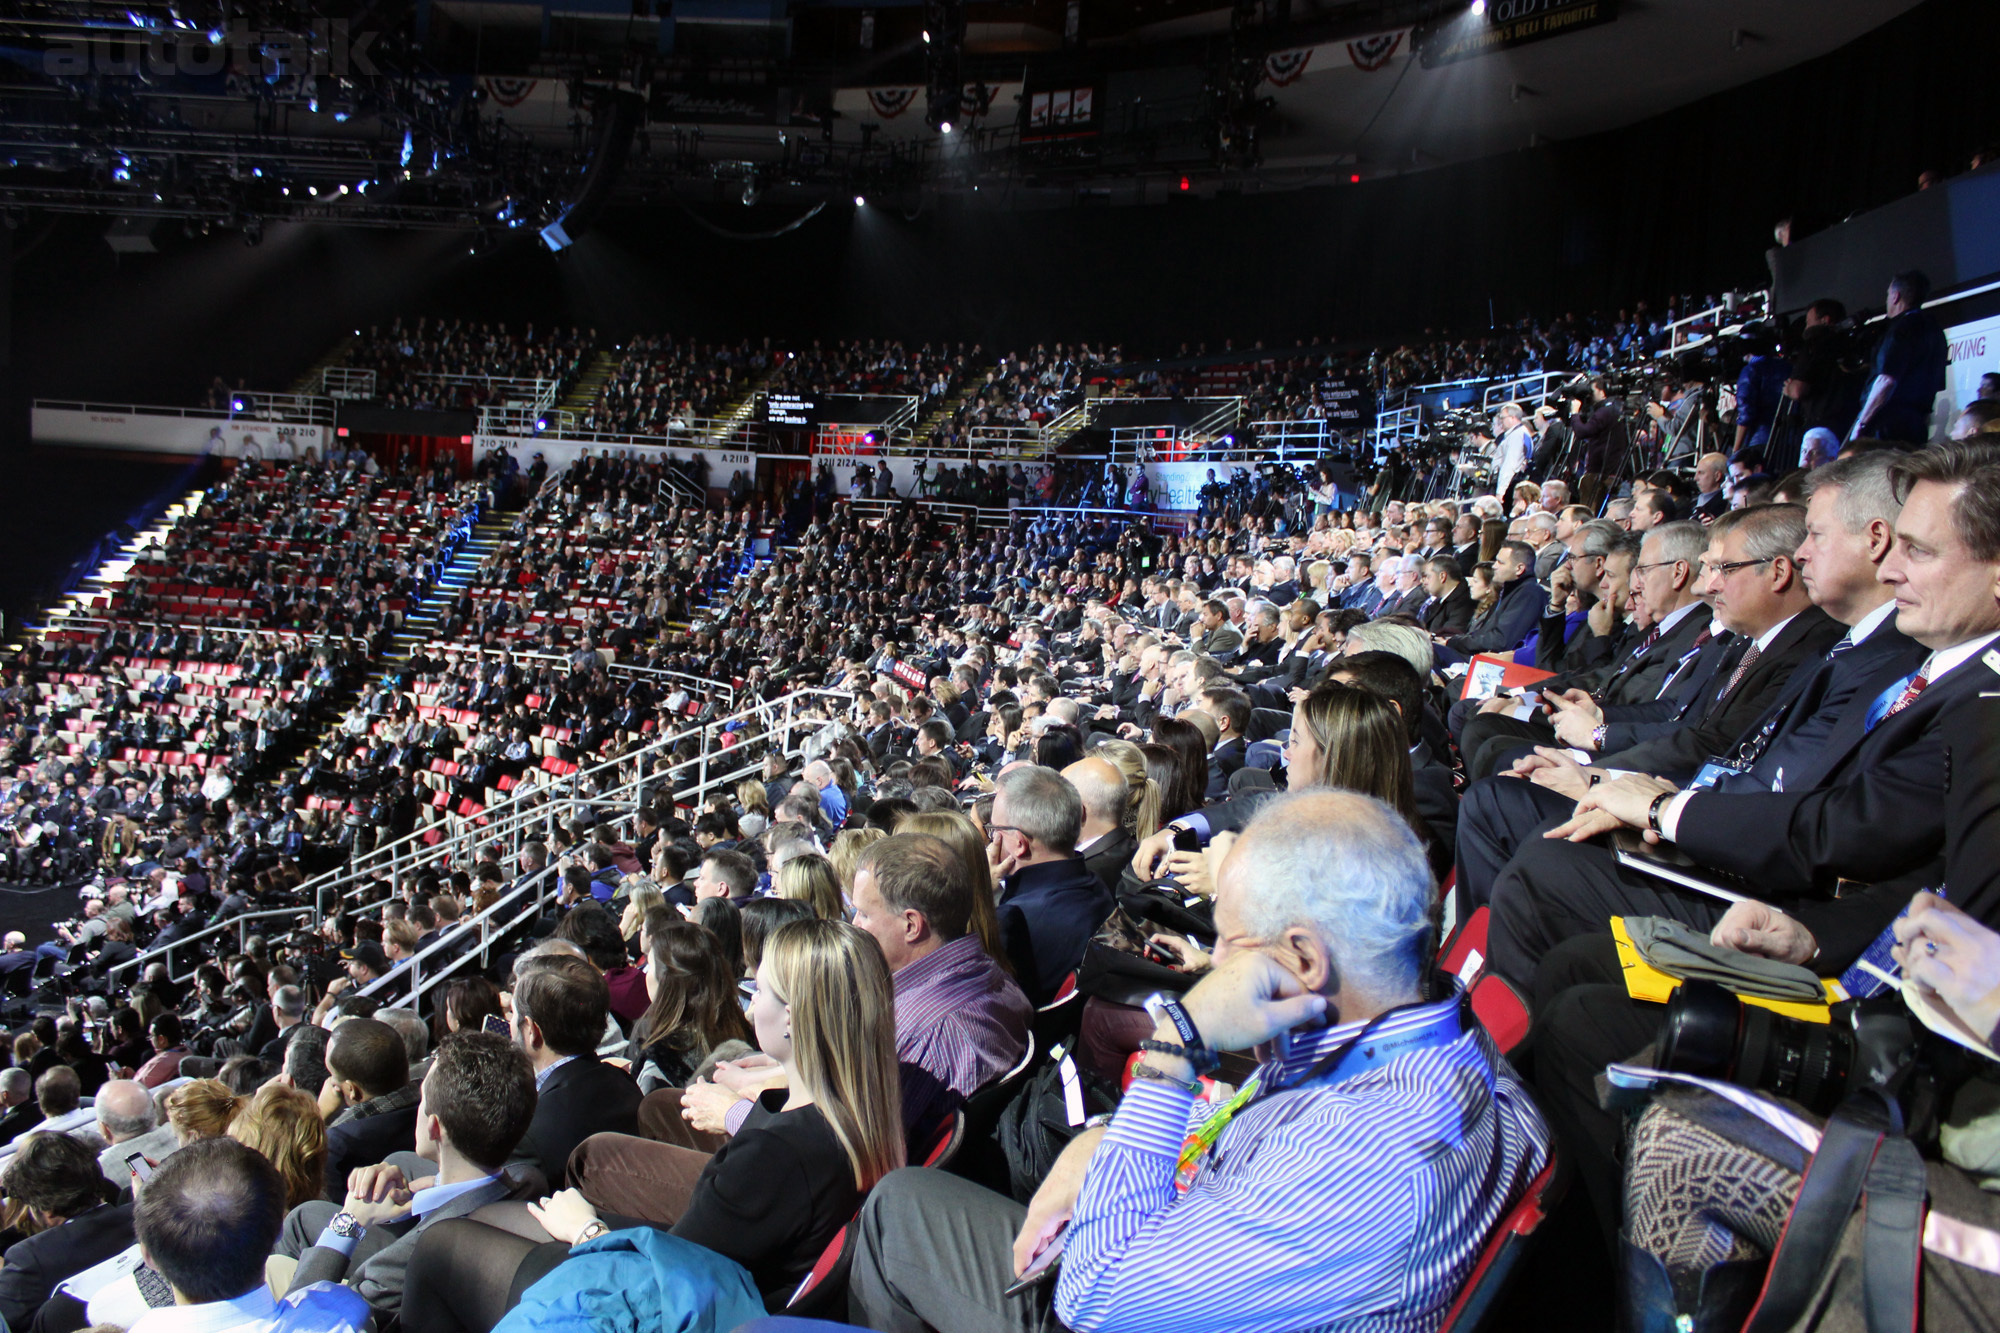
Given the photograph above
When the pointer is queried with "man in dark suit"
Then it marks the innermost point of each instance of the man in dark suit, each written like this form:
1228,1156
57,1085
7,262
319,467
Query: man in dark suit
1104,843
1849,531
56,1178
1050,904
1666,580
1864,803
1447,606
17,1095
477,1101
368,1074
560,1006
18,956
1230,710
1517,614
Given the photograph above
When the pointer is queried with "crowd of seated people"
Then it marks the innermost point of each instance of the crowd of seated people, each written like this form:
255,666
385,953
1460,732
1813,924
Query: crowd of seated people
662,384
440,363
868,367
1256,766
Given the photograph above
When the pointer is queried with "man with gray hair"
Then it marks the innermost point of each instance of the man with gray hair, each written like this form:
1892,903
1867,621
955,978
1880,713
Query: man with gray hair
17,1092
129,1122
288,1010
1298,1213
1510,453
1050,904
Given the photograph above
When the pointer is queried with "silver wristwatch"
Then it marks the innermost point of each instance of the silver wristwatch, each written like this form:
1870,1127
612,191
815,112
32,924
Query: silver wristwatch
346,1226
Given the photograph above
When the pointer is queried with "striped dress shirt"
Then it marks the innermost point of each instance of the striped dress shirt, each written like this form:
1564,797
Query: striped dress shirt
960,1016
1360,1204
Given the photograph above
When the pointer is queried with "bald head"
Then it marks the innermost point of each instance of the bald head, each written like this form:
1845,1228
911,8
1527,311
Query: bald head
15,942
15,1085
124,1110
1102,788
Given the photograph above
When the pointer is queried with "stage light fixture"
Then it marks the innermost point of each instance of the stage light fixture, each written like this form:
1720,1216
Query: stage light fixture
944,128
860,201
927,36
215,36
1478,8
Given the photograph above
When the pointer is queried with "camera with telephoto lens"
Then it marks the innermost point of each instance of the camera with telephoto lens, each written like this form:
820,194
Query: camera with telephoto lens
1712,1033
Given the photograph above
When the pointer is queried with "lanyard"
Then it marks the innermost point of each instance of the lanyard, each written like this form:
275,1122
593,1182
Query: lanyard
1348,1060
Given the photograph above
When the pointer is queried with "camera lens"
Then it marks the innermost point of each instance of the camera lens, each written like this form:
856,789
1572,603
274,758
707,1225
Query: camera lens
1711,1033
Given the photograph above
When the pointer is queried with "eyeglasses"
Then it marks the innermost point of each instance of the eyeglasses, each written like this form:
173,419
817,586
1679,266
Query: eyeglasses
1657,564
1731,566
993,829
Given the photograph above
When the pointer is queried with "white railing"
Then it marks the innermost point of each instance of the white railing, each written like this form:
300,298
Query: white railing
1527,390
240,923
297,408
1703,325
462,650
534,805
1066,425
1287,438
524,901
991,441
983,516
346,382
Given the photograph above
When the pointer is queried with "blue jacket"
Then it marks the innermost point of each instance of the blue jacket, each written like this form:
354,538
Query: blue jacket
642,1279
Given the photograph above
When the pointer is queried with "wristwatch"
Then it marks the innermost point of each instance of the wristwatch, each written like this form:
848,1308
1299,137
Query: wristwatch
346,1226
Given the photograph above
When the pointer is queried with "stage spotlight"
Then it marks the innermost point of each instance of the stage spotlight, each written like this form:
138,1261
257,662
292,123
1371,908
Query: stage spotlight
927,37
1478,8
236,404
944,128
215,36
860,201
541,424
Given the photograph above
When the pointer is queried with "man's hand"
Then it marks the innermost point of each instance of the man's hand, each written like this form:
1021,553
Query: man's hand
564,1215
1558,772
1576,727
1955,957
1055,1201
1246,999
753,1074
703,1105
1499,703
1620,803
1148,861
377,1194
1753,927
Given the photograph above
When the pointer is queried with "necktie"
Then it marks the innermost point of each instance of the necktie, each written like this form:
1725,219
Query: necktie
1736,677
1898,696
1701,641
1645,644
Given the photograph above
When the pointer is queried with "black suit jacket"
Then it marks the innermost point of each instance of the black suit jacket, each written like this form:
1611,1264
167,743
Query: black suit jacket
1874,815
584,1097
1223,761
1450,614
1636,677
1108,859
34,1266
365,1140
1048,912
1722,714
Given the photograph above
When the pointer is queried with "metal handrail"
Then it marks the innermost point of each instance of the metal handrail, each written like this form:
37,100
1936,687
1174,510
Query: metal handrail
407,852
706,682
412,971
307,409
241,919
1537,383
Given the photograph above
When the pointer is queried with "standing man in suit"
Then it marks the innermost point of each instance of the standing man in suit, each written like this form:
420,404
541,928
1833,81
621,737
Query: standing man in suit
561,1003
476,1102
1865,804
368,1099
1104,843
55,1178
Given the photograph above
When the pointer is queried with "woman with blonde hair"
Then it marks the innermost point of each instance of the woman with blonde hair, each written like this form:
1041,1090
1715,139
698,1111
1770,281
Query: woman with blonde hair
1352,738
203,1109
777,1192
284,1124
959,833
1142,808
644,897
846,852
750,794
809,878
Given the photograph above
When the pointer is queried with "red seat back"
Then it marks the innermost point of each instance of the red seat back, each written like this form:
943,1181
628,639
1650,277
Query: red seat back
1464,954
1502,1253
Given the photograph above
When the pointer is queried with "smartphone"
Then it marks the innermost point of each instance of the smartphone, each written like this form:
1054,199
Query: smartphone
1042,1267
141,1169
497,1023
1161,955
1186,840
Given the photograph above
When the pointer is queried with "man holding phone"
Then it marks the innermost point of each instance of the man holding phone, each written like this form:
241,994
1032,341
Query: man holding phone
1165,1217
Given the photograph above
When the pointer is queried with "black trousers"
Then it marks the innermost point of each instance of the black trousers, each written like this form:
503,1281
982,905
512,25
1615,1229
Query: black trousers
1496,818
1490,737
1584,1021
1553,890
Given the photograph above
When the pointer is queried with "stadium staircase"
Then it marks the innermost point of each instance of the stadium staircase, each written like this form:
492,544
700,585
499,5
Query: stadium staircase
583,390
742,410
920,437
424,620
309,383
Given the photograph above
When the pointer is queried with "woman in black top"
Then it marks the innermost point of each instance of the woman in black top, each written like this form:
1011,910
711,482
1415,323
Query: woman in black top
693,1007
826,1128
